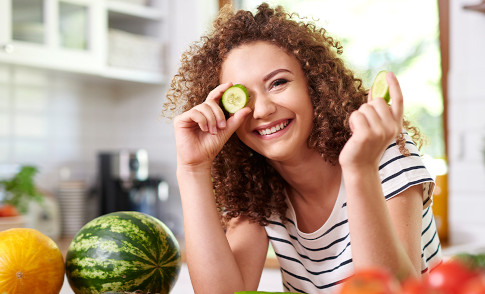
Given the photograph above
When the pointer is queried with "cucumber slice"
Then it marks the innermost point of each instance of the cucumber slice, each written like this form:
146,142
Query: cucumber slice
235,98
380,88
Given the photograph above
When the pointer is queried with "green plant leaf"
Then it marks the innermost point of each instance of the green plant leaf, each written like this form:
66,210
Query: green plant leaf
20,189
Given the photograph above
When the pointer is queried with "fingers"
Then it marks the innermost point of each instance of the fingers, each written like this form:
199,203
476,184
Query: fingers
379,115
358,122
216,93
213,101
205,116
379,121
380,118
209,115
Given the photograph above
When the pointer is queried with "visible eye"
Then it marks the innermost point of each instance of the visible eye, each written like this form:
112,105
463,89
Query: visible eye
279,82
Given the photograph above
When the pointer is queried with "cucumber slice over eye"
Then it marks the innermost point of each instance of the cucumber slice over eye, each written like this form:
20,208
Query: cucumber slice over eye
235,98
380,88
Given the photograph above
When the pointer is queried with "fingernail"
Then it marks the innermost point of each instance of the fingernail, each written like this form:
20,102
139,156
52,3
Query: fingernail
222,124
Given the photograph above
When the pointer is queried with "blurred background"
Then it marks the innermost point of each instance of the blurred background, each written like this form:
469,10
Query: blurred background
82,83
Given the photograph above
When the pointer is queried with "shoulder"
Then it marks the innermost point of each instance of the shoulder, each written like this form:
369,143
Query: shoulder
398,172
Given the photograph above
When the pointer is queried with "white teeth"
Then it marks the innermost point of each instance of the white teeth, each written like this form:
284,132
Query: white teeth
274,129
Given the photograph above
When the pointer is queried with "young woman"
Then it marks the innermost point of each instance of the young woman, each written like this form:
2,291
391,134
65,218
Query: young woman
311,164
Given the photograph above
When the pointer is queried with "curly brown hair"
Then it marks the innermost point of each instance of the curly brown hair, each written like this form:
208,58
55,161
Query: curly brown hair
244,183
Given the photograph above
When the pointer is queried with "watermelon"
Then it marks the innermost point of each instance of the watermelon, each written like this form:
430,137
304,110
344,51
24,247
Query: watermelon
123,251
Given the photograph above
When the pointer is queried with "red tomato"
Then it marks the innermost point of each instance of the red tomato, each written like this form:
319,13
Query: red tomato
474,286
413,286
8,210
370,281
449,277
417,286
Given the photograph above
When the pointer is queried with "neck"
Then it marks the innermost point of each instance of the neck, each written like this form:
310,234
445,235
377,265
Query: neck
310,176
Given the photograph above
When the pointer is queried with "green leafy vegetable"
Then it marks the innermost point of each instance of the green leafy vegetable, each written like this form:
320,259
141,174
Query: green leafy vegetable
472,261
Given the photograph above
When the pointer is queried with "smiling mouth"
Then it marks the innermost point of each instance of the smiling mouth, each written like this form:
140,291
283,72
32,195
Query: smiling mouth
274,129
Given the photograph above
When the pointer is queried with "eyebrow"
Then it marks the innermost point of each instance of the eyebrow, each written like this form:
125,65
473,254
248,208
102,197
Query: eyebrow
275,72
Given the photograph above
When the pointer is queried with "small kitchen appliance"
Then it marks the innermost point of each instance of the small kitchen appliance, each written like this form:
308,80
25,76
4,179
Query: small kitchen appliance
124,184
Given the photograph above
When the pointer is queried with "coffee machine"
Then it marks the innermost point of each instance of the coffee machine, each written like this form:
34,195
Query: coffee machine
124,184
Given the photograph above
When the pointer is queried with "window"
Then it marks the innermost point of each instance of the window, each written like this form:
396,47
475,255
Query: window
400,36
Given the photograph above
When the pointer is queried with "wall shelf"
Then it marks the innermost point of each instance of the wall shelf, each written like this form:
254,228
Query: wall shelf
133,75
134,10
111,39
480,7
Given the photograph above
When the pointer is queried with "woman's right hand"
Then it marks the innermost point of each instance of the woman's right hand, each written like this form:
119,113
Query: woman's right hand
201,132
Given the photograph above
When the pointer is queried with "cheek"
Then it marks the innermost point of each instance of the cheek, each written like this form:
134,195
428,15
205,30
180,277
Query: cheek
243,134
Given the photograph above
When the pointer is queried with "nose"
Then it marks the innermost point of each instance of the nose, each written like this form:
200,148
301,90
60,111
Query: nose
263,106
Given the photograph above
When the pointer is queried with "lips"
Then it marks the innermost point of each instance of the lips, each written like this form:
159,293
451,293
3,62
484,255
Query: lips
269,130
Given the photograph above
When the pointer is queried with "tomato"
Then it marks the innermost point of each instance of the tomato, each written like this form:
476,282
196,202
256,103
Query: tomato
413,286
474,286
417,286
8,210
449,277
370,281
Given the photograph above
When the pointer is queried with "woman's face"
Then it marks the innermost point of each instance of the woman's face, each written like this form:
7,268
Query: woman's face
282,117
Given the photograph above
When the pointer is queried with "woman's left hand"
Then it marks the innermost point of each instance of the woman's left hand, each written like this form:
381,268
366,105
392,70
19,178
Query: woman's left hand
374,126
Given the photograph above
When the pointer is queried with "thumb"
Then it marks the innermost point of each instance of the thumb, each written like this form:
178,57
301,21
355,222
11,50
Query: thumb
396,96
235,121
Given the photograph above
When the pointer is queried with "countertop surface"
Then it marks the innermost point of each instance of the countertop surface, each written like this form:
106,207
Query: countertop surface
270,280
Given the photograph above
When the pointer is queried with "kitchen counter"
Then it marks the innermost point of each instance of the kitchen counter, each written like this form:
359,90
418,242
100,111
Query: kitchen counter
270,279
63,244
182,286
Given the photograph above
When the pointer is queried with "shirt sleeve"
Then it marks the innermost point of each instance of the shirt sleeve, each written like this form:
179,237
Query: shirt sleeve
399,172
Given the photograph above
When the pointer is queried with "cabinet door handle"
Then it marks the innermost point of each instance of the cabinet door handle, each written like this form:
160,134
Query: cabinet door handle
8,48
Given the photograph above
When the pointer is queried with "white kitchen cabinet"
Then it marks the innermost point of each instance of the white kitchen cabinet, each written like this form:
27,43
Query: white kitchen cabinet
121,40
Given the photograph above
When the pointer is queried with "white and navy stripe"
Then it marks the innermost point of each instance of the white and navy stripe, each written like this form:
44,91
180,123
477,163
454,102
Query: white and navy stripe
318,262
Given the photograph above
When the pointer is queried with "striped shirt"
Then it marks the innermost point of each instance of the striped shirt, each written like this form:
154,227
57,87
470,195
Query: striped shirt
318,262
